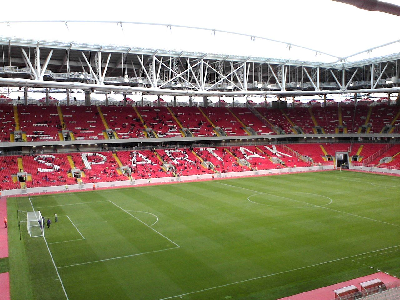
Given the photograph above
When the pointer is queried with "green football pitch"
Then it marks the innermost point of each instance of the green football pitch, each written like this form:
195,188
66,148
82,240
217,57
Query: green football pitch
249,238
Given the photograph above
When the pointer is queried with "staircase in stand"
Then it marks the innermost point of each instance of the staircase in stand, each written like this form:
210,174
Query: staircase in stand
218,131
263,119
184,131
246,128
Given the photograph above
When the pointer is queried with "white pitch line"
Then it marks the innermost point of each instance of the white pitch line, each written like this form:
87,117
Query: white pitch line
159,233
317,206
76,227
146,212
66,241
366,182
277,273
330,199
52,260
117,257
239,187
71,204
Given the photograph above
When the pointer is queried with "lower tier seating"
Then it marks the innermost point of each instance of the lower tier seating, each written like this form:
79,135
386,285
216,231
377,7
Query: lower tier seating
62,169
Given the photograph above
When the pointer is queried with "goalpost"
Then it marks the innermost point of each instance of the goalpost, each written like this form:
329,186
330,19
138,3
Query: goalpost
34,223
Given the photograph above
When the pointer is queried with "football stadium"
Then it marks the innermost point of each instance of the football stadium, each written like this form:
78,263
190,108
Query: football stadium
155,160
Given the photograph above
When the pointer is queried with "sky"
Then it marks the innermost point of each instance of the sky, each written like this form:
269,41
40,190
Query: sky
322,25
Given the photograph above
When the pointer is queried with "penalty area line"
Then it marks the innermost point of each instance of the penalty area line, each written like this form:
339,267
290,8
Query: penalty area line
159,233
117,257
76,227
66,241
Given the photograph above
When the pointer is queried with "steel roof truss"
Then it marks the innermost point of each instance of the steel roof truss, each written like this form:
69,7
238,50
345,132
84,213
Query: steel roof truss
179,75
90,68
380,76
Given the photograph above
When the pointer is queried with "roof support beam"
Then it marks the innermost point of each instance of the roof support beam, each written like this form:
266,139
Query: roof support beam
351,79
337,81
276,78
46,63
145,71
380,76
105,69
178,75
194,75
224,77
29,64
309,77
90,68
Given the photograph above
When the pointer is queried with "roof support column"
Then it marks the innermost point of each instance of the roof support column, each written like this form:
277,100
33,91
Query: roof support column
91,69
68,97
37,62
26,95
244,76
380,75
47,97
343,78
372,75
276,78
283,78
87,98
205,101
29,64
153,72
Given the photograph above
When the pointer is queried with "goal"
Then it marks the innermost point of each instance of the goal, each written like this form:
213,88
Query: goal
34,223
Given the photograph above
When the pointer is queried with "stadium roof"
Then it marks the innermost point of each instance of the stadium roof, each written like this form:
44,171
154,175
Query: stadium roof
307,33
321,31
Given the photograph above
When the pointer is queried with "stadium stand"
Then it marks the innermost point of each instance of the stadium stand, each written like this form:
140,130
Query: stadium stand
277,119
7,123
39,122
160,121
84,122
124,121
87,123
224,122
194,121
257,125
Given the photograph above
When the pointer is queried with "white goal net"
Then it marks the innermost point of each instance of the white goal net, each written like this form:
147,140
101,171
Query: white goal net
34,223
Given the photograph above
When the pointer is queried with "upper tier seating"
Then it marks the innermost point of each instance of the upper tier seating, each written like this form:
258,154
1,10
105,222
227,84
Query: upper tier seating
124,121
84,122
383,115
221,117
354,116
327,117
161,121
7,122
276,118
192,119
301,117
251,120
40,123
